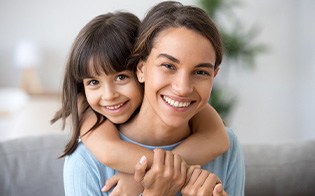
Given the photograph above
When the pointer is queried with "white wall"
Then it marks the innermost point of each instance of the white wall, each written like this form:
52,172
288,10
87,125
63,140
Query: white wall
52,26
275,100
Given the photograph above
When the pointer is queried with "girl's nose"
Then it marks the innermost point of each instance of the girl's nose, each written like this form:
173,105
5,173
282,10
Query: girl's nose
109,93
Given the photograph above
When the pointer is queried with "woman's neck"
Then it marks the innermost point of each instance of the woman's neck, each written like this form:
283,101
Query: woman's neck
148,129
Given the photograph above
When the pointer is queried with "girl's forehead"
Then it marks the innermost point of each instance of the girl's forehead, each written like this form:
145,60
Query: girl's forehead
98,65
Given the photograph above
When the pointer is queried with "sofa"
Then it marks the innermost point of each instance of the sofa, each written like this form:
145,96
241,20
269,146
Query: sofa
29,167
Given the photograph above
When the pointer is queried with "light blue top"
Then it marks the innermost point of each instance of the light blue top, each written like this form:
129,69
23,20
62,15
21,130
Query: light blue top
84,175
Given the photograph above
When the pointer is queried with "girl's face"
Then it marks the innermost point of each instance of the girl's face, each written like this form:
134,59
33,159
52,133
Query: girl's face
116,96
178,75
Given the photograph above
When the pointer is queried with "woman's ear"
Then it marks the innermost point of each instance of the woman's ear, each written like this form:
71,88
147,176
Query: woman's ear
140,71
216,71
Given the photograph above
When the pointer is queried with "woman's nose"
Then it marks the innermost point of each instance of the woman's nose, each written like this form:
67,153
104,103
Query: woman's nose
182,85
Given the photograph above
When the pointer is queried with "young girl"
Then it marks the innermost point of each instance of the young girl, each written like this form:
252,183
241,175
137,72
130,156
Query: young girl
98,86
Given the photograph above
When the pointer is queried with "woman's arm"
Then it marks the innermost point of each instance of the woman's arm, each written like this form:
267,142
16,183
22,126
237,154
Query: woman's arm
209,138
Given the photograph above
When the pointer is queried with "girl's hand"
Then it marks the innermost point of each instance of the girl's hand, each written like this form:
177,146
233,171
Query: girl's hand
201,182
166,176
125,185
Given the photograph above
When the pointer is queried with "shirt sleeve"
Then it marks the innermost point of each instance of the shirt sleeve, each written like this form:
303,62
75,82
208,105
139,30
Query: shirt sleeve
235,183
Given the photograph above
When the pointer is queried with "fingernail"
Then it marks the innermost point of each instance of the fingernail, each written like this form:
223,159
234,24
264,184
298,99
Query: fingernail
104,187
143,160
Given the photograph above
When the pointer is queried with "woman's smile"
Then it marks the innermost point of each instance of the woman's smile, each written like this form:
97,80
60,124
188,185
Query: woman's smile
176,103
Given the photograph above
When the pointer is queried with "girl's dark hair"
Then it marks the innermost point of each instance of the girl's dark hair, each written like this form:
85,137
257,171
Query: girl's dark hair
103,45
170,14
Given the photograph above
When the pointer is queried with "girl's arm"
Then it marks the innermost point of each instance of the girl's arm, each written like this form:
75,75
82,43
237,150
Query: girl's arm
208,141
105,144
209,138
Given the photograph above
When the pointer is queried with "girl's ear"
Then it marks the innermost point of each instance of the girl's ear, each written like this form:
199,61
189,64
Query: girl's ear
140,71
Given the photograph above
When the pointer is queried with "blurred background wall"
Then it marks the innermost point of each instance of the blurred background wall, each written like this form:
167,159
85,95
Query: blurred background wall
275,99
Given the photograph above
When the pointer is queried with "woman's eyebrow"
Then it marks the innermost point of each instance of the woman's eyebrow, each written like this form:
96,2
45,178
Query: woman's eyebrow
201,65
205,65
168,57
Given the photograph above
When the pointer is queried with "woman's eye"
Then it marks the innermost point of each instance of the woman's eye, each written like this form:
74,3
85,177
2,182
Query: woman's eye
168,66
201,72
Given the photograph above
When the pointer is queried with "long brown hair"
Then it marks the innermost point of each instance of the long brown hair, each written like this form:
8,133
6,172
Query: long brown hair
103,45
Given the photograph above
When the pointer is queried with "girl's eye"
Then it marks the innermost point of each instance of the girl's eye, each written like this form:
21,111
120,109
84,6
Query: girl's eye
168,66
92,82
121,77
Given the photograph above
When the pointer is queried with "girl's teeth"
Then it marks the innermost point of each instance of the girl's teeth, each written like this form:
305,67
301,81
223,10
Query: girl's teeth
114,107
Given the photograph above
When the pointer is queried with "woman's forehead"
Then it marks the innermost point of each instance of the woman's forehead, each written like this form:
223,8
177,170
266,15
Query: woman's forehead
182,43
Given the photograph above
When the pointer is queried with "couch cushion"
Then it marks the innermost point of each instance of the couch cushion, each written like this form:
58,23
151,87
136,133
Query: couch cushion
280,169
30,167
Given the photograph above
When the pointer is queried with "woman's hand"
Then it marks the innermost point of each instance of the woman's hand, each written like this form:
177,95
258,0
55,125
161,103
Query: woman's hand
201,182
166,176
125,185
219,190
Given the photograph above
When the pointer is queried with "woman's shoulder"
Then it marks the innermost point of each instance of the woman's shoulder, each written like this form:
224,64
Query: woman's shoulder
235,146
232,137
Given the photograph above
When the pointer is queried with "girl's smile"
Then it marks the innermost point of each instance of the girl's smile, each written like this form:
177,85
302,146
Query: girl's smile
116,96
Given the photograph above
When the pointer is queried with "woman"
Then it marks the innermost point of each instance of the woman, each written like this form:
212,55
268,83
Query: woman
177,56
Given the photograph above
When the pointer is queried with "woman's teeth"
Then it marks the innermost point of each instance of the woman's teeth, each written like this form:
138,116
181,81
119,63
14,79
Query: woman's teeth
176,104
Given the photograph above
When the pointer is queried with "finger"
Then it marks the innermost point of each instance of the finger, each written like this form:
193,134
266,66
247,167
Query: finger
110,183
159,157
219,191
201,179
183,168
156,168
194,176
169,159
180,168
211,181
190,171
140,169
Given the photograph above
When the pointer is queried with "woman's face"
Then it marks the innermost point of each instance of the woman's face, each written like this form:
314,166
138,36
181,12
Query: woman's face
116,96
178,75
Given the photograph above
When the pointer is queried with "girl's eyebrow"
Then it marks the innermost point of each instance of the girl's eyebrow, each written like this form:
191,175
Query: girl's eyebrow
175,60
